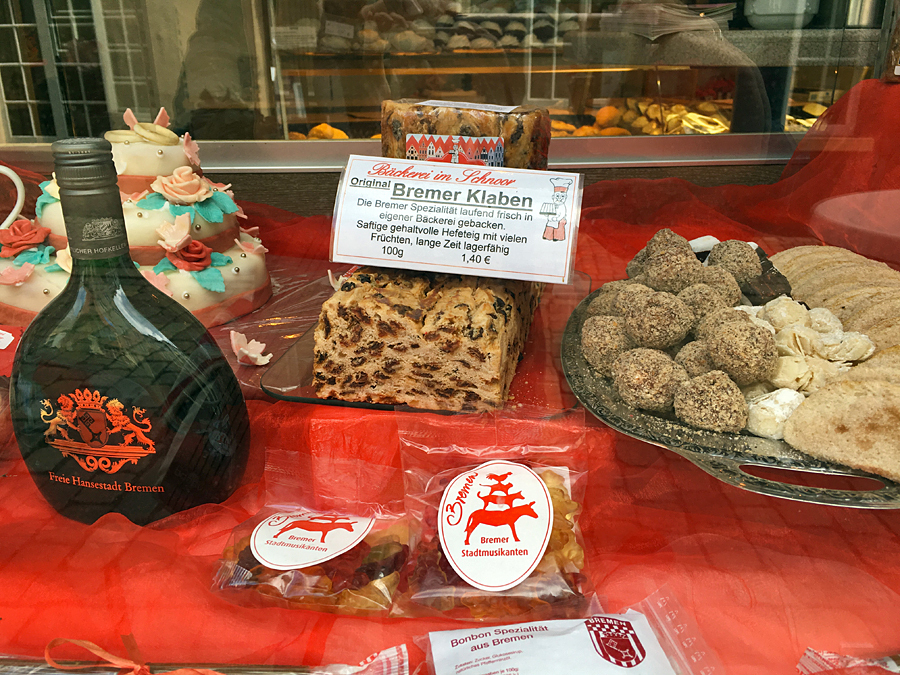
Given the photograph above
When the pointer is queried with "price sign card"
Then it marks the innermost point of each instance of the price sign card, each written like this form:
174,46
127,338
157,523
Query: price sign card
457,218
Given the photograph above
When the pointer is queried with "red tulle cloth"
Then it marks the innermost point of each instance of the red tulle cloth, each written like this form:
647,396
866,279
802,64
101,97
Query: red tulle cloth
762,578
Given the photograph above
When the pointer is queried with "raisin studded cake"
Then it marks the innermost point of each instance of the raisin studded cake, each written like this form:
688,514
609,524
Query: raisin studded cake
431,341
525,130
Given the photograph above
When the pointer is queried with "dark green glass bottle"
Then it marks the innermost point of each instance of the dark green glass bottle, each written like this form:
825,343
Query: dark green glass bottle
121,400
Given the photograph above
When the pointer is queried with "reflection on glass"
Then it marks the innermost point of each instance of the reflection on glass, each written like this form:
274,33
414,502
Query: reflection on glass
298,69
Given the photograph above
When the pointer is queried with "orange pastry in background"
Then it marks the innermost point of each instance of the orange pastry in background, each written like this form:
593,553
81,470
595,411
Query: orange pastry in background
615,131
607,116
326,132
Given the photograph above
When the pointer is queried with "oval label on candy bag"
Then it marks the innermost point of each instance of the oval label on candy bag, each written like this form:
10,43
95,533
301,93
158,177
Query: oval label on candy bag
495,523
302,538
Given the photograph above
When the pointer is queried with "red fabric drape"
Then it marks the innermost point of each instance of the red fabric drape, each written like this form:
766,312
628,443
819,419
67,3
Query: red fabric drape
763,578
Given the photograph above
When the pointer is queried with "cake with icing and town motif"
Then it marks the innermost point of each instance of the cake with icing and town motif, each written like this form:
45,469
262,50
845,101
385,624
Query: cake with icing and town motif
184,231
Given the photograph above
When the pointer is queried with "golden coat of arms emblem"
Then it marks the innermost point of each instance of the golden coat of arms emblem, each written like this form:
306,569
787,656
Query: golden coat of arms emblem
96,431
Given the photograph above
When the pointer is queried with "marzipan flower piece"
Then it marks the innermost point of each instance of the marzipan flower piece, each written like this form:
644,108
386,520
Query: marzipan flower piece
248,352
183,187
251,247
16,276
64,259
21,236
160,281
177,235
193,257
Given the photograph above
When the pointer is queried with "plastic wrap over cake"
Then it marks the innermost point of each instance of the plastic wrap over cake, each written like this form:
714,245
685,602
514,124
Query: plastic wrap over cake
430,341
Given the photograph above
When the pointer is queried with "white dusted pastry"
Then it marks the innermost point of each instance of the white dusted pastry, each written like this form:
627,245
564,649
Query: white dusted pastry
782,312
757,389
823,372
851,347
768,414
791,372
823,320
798,341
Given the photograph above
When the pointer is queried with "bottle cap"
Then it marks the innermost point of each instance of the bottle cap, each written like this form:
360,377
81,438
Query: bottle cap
83,163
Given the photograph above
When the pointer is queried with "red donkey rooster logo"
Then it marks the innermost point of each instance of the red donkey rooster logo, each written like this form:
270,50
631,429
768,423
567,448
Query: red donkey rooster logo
323,524
498,495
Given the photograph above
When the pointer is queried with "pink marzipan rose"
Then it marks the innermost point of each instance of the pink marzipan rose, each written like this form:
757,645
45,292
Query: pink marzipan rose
20,236
182,187
194,257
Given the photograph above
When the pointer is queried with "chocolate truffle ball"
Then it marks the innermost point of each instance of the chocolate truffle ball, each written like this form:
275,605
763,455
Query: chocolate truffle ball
671,271
666,240
723,281
694,358
738,257
701,299
743,350
603,338
711,401
657,320
636,266
647,379
602,304
717,318
624,297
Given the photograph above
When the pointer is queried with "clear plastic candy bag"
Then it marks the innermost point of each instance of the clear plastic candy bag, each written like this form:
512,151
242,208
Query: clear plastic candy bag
552,449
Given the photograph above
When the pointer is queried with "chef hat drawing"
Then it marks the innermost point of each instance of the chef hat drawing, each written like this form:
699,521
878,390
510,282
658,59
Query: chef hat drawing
561,184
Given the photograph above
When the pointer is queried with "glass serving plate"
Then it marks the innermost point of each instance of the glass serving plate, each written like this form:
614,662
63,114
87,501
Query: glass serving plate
725,456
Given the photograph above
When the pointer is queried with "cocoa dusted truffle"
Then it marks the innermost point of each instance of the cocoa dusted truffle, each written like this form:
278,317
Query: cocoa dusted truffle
666,240
671,271
636,266
603,338
738,257
723,281
711,401
647,379
743,350
624,297
717,318
701,299
603,302
657,320
694,358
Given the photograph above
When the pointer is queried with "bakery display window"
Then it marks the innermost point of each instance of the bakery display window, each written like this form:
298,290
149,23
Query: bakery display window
284,70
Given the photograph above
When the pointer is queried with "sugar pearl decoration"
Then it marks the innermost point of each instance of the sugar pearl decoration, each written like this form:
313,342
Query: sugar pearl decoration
197,227
140,214
243,255
159,152
186,295
46,291
236,270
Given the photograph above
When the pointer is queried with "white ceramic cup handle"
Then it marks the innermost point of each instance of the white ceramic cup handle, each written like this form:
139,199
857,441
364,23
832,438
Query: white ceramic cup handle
20,196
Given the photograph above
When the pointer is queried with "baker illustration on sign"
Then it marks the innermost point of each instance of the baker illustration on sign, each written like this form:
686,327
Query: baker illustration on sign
555,230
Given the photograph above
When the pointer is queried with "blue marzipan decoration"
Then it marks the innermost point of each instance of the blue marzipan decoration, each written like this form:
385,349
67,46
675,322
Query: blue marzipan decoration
211,279
219,259
212,209
39,255
44,200
54,268
164,265
136,264
152,201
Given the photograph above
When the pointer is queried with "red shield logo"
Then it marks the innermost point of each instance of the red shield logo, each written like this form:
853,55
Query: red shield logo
616,641
92,427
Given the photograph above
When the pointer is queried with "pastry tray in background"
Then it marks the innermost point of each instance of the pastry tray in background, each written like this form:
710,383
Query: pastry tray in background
725,456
